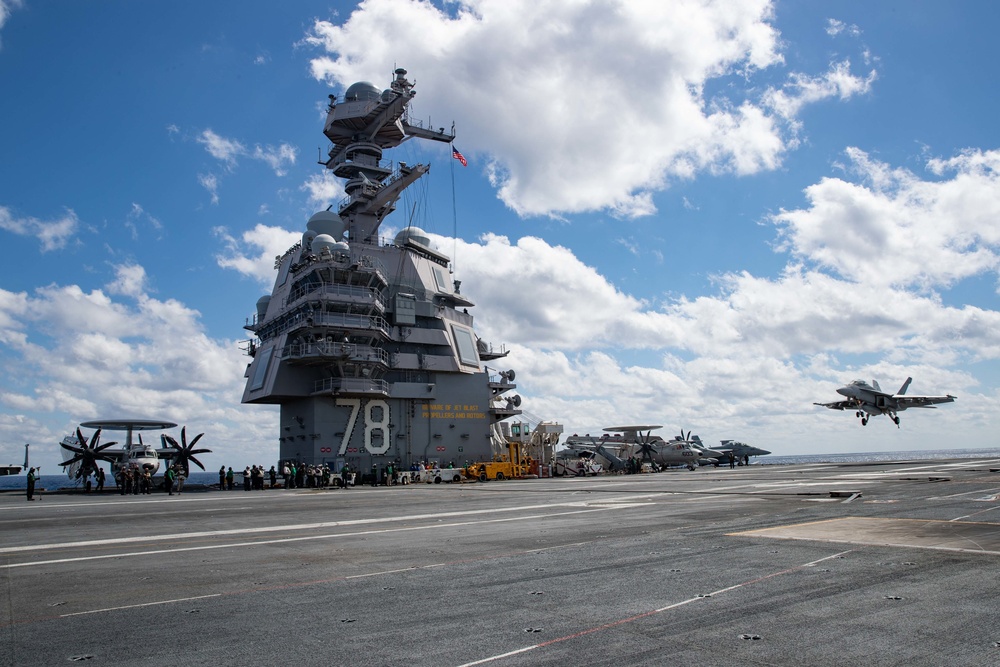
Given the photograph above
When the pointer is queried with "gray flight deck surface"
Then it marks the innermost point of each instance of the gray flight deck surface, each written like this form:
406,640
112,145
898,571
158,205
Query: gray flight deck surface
762,565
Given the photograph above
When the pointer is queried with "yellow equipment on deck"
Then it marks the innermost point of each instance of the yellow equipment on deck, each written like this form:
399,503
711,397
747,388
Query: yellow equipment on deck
513,464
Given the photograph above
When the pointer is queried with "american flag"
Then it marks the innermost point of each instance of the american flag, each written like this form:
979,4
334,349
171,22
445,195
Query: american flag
458,156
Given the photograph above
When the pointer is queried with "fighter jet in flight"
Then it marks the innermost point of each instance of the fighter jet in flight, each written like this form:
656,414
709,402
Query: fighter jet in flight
868,400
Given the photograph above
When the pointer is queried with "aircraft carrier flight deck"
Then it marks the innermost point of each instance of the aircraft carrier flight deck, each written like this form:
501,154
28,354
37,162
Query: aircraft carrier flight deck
823,564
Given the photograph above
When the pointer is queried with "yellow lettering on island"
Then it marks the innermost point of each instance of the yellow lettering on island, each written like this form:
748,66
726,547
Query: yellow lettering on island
445,411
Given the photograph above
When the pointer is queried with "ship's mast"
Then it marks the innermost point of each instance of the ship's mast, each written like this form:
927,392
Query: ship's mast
361,126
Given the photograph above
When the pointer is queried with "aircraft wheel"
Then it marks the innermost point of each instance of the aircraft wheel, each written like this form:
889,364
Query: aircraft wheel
864,422
499,476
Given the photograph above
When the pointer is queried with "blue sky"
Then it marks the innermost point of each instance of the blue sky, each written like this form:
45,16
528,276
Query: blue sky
705,215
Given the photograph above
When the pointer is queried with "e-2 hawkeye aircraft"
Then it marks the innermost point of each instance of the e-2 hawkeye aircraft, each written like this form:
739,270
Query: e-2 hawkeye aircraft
868,400
87,456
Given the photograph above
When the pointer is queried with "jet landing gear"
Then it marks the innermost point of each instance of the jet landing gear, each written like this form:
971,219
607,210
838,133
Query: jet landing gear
865,417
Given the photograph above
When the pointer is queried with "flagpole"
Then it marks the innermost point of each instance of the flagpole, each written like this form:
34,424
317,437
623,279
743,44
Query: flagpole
454,215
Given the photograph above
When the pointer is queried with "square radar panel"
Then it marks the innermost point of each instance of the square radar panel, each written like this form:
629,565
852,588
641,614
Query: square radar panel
260,372
443,284
465,345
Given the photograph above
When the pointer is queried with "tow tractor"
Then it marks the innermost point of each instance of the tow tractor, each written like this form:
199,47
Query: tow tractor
515,463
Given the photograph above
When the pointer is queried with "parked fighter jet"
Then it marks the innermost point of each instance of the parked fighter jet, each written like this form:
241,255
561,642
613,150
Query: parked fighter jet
869,399
740,451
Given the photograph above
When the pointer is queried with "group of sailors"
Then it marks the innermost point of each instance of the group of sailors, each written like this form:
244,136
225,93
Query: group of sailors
133,480
298,475
253,478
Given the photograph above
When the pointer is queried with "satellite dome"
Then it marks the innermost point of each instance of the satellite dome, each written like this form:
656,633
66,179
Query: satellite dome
262,304
415,234
362,91
307,239
326,222
341,246
323,241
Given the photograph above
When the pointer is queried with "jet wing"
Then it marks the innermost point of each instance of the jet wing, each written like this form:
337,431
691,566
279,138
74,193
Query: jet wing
905,402
840,405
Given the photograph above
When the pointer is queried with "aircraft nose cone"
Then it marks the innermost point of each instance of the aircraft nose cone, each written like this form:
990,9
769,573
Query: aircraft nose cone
147,466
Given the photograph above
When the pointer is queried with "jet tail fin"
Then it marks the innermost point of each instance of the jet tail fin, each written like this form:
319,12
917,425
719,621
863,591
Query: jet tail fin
906,385
875,384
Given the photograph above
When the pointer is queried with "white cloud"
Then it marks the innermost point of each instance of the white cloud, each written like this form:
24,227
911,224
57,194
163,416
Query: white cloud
253,254
222,149
130,280
598,104
835,27
324,189
90,356
53,235
895,229
228,151
211,183
278,158
802,90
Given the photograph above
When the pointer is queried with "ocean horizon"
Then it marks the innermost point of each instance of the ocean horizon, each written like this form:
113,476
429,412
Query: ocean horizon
61,481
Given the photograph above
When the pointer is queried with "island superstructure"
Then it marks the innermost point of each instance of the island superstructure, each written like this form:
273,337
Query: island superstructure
367,344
